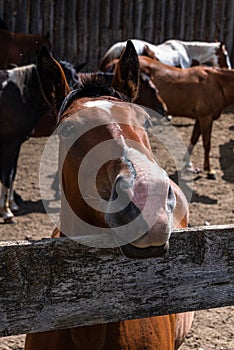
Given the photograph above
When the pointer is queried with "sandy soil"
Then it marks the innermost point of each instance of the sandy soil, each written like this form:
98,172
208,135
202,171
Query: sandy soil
212,203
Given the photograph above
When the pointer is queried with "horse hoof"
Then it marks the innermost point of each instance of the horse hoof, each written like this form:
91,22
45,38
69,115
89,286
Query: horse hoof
13,206
211,176
191,169
6,214
9,221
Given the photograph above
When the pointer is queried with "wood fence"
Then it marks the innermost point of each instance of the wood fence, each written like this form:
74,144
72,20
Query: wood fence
59,283
82,30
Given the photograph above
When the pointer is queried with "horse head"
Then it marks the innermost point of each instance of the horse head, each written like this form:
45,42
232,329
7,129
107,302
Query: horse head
149,53
110,180
223,57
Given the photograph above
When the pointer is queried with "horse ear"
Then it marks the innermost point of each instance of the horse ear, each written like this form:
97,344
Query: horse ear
126,78
52,78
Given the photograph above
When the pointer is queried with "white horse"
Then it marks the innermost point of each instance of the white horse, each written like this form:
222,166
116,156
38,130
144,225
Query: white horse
177,53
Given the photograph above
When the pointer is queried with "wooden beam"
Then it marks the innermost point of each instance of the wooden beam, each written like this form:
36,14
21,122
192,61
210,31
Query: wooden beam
59,283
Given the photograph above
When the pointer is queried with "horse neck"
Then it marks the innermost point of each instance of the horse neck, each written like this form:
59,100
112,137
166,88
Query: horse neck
31,92
150,67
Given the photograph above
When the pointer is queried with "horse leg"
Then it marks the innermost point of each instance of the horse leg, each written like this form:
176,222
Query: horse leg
183,325
55,186
9,153
13,206
5,210
206,128
194,138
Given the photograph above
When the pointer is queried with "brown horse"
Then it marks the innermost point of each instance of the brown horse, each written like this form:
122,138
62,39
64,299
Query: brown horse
104,144
201,93
20,48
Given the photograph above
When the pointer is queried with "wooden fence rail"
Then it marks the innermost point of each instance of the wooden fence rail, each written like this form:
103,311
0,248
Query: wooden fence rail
58,283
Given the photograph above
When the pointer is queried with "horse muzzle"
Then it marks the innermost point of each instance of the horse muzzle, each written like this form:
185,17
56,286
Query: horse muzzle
139,235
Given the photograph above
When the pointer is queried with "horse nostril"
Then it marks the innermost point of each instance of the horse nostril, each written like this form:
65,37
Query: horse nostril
121,209
171,199
119,189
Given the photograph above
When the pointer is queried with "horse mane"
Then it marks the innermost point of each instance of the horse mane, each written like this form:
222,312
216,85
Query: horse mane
91,85
69,71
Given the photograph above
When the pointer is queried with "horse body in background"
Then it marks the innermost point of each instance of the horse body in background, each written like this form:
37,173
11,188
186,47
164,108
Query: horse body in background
200,93
92,115
176,53
22,104
20,49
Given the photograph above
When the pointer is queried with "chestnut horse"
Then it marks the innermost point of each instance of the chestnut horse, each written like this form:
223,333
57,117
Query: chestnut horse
200,93
176,53
100,128
19,48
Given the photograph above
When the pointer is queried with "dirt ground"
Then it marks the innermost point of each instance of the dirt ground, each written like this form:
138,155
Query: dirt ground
212,203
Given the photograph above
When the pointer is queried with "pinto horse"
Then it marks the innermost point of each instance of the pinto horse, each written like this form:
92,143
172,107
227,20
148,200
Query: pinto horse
41,126
97,114
22,104
200,93
176,53
19,48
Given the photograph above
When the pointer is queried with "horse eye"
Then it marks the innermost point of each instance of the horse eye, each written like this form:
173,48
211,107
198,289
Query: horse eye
66,130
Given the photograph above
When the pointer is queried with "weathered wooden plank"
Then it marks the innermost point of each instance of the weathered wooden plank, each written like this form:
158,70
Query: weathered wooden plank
9,9
82,32
47,19
70,33
59,283
35,20
92,20
59,40
105,39
170,18
22,9
137,18
149,21
162,15
115,12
